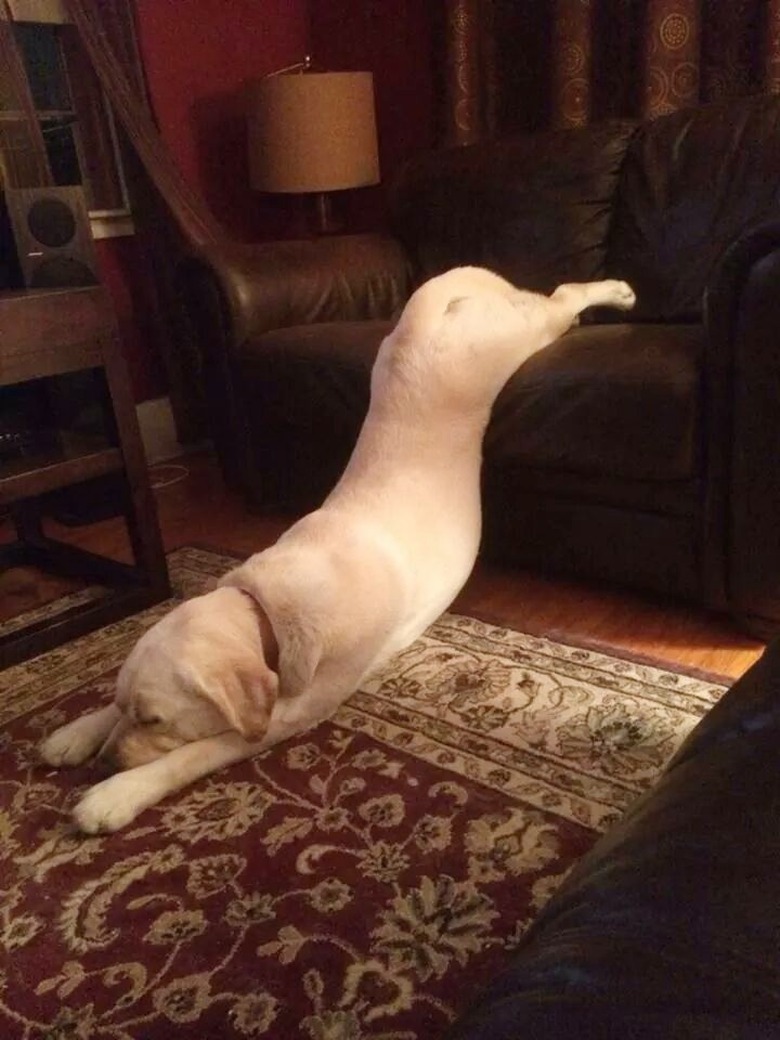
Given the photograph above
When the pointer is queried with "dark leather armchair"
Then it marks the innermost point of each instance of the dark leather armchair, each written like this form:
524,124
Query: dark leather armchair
644,452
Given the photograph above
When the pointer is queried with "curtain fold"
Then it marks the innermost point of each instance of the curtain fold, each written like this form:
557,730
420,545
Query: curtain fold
566,63
771,63
465,33
106,30
572,45
671,48
169,216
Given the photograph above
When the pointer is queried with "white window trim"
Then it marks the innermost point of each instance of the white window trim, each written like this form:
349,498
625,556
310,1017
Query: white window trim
50,11
105,224
113,223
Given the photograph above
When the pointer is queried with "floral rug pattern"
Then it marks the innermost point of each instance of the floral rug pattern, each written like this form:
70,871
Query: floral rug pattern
358,883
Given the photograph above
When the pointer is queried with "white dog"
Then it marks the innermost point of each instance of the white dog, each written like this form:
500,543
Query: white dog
291,633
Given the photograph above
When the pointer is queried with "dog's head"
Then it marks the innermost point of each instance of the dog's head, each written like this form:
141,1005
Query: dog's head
200,671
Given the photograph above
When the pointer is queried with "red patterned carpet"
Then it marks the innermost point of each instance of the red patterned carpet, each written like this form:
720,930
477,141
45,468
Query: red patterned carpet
359,883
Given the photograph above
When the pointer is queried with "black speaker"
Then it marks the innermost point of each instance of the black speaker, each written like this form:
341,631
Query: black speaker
53,238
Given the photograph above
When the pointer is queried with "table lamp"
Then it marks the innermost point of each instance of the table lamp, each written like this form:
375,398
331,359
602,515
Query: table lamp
312,133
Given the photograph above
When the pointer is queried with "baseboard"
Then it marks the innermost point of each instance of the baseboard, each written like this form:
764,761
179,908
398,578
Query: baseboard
158,430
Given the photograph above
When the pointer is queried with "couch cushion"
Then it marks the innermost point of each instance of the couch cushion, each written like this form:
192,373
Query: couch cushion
614,401
669,928
691,183
536,209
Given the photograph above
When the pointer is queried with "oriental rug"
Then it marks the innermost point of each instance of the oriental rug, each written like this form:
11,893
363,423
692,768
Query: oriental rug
361,882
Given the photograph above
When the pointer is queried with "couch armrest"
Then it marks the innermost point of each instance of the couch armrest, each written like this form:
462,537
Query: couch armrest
742,391
273,285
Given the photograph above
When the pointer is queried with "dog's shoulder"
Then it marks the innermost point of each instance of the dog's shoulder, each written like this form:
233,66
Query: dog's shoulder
274,579
330,588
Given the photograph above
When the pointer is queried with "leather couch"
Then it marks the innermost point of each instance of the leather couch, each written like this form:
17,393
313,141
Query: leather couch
669,928
642,451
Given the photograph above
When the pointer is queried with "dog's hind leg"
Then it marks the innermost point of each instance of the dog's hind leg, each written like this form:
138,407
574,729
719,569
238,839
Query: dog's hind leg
574,297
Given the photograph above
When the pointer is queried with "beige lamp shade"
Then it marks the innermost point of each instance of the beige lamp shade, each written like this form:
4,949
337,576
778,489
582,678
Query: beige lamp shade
312,132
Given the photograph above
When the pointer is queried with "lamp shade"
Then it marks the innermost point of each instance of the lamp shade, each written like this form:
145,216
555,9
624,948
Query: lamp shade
312,132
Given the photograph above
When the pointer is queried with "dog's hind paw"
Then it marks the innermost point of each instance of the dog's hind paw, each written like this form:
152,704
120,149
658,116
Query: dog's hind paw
619,294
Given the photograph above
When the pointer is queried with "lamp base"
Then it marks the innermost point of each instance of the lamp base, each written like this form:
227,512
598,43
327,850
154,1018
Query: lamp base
325,221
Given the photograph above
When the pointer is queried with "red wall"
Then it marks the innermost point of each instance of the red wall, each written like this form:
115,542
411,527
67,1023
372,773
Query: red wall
198,56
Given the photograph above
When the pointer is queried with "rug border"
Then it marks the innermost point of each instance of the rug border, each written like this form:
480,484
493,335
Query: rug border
600,646
553,634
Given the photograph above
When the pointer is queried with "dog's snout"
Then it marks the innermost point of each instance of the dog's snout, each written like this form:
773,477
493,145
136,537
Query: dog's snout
106,755
106,763
137,747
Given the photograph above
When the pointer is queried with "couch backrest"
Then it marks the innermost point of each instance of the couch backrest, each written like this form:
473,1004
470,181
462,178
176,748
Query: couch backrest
536,209
691,183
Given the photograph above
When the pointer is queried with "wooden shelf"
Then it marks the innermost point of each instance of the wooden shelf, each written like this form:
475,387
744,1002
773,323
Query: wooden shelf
48,333
76,458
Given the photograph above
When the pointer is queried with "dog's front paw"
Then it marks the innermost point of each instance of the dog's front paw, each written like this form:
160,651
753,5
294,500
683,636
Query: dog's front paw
621,294
70,745
112,804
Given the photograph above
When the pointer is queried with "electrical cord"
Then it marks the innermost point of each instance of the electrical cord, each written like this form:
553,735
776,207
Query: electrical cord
164,476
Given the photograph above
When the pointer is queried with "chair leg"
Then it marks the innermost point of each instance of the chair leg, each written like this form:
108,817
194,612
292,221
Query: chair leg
27,522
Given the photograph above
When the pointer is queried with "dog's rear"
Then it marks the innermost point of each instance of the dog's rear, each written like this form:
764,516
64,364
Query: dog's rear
459,339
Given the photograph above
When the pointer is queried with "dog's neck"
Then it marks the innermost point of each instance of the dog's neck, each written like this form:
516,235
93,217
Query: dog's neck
267,634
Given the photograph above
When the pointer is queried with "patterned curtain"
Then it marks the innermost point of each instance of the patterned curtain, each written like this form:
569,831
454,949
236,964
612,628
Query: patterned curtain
565,63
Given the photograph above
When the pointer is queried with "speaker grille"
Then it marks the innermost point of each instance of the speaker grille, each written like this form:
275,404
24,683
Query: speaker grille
51,222
52,237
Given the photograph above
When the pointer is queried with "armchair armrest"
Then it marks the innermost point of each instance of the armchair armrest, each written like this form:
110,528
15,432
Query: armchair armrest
231,292
273,285
742,391
731,274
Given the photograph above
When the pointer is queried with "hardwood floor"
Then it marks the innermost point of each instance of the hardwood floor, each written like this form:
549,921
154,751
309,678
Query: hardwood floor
199,510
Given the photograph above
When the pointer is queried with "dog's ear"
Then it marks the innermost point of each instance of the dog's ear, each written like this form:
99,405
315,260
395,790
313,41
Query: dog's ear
246,699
